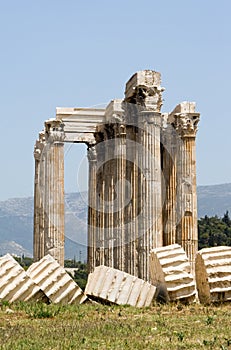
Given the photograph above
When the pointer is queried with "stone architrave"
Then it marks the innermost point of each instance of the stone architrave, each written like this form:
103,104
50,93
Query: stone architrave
213,274
185,121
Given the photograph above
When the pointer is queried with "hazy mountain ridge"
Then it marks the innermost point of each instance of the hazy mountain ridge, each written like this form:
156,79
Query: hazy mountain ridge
16,219
214,199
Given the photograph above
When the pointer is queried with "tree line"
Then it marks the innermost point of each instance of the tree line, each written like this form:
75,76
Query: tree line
214,231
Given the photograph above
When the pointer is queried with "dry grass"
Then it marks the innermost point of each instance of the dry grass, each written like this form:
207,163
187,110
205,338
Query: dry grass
38,326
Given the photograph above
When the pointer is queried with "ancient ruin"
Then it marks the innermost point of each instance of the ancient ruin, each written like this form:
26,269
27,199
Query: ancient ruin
142,178
213,274
118,287
170,273
55,282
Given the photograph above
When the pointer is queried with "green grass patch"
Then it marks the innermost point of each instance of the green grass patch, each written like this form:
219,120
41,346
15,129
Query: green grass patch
39,326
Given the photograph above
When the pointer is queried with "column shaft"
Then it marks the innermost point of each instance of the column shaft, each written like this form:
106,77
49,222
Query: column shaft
185,120
54,192
150,227
187,234
121,257
38,199
169,185
92,209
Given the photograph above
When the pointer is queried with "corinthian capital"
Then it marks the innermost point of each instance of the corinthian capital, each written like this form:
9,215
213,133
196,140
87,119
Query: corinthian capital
91,154
150,98
54,131
187,124
145,90
185,120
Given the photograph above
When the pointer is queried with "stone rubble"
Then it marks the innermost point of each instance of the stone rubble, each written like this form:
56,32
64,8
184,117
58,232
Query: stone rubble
171,280
119,287
213,274
170,273
15,284
55,282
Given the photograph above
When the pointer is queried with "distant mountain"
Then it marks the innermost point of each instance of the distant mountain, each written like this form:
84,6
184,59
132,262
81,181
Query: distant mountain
16,226
16,220
214,200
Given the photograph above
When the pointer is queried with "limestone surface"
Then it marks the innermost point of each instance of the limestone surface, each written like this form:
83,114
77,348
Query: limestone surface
213,274
15,284
170,273
119,287
55,282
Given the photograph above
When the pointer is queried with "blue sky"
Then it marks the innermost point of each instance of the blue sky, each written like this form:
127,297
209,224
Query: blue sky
81,53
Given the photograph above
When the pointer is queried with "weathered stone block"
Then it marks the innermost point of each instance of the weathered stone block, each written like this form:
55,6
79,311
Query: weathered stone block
119,287
114,111
15,284
170,273
185,107
55,282
145,78
213,274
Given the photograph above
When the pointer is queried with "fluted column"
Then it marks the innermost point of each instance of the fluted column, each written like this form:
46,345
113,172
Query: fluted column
131,210
150,184
100,200
92,161
144,90
54,191
38,243
185,123
169,184
121,254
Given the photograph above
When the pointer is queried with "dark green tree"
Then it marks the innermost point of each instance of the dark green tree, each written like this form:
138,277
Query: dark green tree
214,231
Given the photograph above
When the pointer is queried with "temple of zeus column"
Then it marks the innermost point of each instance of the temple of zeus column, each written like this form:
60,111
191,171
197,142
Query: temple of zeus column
142,178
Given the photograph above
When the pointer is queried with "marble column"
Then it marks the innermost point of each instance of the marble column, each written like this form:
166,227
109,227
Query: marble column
131,214
92,212
168,144
144,90
108,175
54,190
38,243
150,183
185,123
121,259
100,199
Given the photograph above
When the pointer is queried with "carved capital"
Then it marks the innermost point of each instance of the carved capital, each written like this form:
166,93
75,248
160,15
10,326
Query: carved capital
186,124
39,145
54,131
144,88
92,154
150,97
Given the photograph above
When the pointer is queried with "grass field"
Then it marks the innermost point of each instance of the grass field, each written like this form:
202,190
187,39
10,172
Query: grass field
94,326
